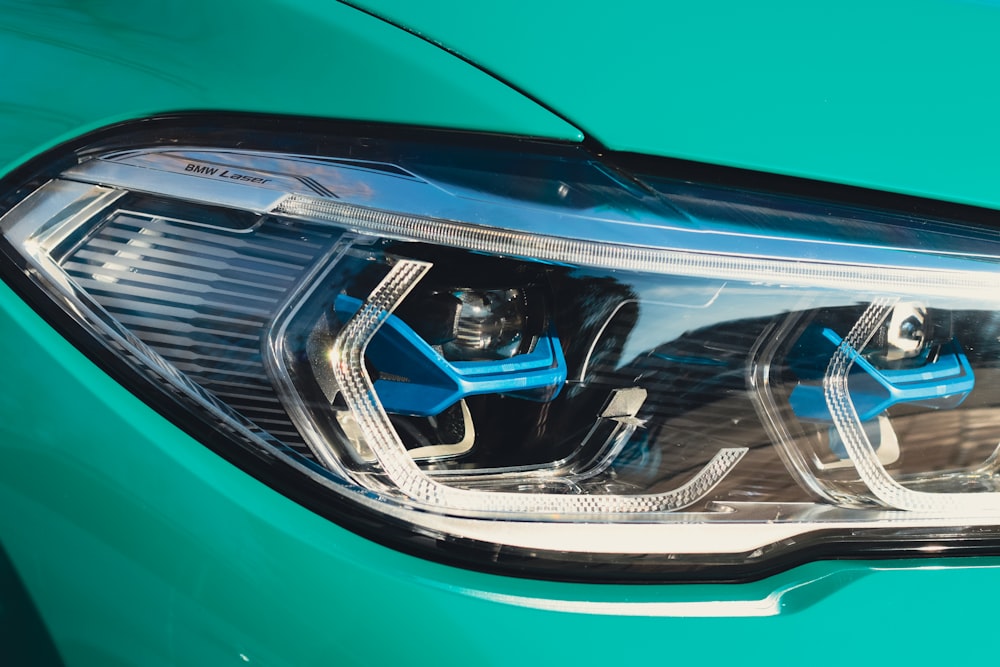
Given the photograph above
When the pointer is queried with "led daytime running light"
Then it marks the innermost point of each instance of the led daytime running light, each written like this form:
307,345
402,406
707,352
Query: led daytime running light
348,358
363,220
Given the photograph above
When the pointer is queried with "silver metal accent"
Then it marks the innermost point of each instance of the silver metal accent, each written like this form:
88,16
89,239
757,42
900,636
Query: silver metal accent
182,186
906,331
62,205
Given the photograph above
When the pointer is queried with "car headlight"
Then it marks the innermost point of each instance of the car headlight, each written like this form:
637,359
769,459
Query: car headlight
522,353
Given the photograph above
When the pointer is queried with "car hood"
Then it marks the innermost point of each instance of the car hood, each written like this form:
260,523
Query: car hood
895,96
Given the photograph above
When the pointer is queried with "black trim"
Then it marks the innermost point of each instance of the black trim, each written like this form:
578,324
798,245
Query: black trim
315,136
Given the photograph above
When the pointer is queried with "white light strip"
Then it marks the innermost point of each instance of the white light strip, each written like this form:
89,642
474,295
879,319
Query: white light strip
767,606
978,283
859,447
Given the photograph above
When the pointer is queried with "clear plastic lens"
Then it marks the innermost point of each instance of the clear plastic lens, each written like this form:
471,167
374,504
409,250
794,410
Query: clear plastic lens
456,349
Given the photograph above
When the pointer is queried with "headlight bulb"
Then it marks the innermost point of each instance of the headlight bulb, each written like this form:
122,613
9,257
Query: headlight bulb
489,325
910,337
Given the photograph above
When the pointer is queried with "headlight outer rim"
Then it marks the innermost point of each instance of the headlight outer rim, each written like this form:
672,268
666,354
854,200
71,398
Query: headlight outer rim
395,534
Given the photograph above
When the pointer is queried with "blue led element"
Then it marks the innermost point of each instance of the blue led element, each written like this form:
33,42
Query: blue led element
942,384
414,379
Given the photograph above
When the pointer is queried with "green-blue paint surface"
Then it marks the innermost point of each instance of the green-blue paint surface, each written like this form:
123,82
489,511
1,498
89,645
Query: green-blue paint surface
895,95
141,547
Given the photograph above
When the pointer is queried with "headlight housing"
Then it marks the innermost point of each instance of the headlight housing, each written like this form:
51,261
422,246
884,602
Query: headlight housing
527,356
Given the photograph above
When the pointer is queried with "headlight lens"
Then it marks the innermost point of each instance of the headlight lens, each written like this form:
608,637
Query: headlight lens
512,344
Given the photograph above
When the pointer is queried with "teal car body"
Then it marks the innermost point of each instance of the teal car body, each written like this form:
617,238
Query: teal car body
130,543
